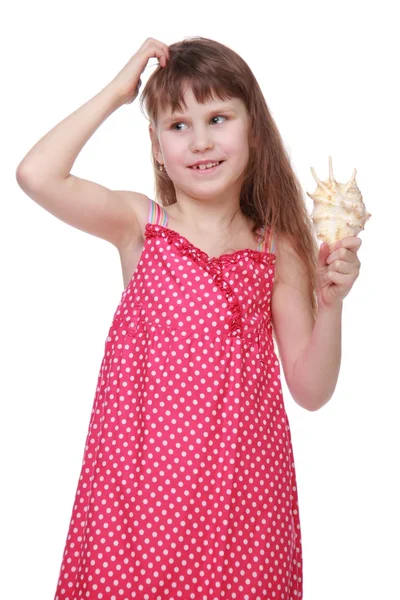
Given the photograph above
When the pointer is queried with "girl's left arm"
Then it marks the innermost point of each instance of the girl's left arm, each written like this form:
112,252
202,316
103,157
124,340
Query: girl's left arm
316,370
310,349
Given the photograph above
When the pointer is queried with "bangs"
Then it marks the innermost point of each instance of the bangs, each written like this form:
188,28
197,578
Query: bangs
172,96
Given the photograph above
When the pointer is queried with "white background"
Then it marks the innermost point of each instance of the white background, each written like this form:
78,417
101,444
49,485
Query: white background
329,72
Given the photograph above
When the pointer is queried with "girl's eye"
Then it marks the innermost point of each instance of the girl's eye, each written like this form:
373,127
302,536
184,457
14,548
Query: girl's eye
218,117
175,125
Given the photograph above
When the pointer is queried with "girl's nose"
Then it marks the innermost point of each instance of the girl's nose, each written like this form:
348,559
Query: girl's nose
201,140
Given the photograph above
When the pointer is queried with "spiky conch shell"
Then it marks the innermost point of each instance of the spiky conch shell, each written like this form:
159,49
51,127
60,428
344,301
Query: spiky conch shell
339,210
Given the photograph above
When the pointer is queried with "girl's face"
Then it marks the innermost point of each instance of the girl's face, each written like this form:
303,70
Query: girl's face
213,132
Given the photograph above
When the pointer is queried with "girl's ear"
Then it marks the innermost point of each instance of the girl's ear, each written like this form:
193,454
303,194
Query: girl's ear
155,146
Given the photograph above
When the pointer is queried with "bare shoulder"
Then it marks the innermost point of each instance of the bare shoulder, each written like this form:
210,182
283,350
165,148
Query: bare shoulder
131,245
139,206
289,268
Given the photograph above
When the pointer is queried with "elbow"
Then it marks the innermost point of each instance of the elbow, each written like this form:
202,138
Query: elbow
309,403
309,396
22,176
308,400
21,171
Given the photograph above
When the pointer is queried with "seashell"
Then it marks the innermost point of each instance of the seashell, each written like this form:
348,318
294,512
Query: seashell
339,210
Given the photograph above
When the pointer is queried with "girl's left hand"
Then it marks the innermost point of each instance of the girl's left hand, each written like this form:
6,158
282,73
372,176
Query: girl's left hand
338,268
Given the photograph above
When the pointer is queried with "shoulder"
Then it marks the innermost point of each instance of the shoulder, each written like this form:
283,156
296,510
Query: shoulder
289,268
140,206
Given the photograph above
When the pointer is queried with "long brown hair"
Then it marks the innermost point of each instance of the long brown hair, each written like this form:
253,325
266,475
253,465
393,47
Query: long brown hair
271,194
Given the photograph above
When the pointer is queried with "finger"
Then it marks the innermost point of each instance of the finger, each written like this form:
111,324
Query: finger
152,41
162,58
342,254
343,279
342,266
163,47
352,242
154,48
323,254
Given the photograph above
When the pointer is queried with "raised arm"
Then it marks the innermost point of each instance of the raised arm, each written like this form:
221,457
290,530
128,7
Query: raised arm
44,173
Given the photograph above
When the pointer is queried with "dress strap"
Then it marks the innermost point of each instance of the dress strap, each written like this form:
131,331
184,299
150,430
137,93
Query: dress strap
267,242
157,214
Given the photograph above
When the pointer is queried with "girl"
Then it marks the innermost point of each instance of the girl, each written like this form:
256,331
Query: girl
188,485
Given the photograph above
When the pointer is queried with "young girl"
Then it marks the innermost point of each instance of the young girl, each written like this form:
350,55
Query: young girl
188,485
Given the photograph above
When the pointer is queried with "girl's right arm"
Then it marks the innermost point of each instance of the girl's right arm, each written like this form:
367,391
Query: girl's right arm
44,173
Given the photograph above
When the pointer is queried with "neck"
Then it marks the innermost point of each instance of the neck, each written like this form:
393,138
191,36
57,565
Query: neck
209,219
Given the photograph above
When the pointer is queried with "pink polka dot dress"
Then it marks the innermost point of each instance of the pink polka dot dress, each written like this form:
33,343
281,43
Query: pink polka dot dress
188,486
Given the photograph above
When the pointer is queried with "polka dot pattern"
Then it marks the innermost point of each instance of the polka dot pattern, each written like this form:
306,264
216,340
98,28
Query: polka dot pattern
188,487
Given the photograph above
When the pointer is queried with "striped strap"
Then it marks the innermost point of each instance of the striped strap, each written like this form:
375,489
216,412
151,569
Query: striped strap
267,242
157,214
271,244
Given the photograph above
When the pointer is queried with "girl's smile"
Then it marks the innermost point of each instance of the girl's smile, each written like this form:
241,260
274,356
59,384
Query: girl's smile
206,167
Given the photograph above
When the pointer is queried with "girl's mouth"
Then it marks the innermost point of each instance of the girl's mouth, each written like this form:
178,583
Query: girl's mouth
211,168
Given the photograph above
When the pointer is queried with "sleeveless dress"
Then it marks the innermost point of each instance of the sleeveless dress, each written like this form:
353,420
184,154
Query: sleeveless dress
188,487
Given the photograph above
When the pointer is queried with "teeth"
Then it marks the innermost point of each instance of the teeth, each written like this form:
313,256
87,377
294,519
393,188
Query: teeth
207,166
